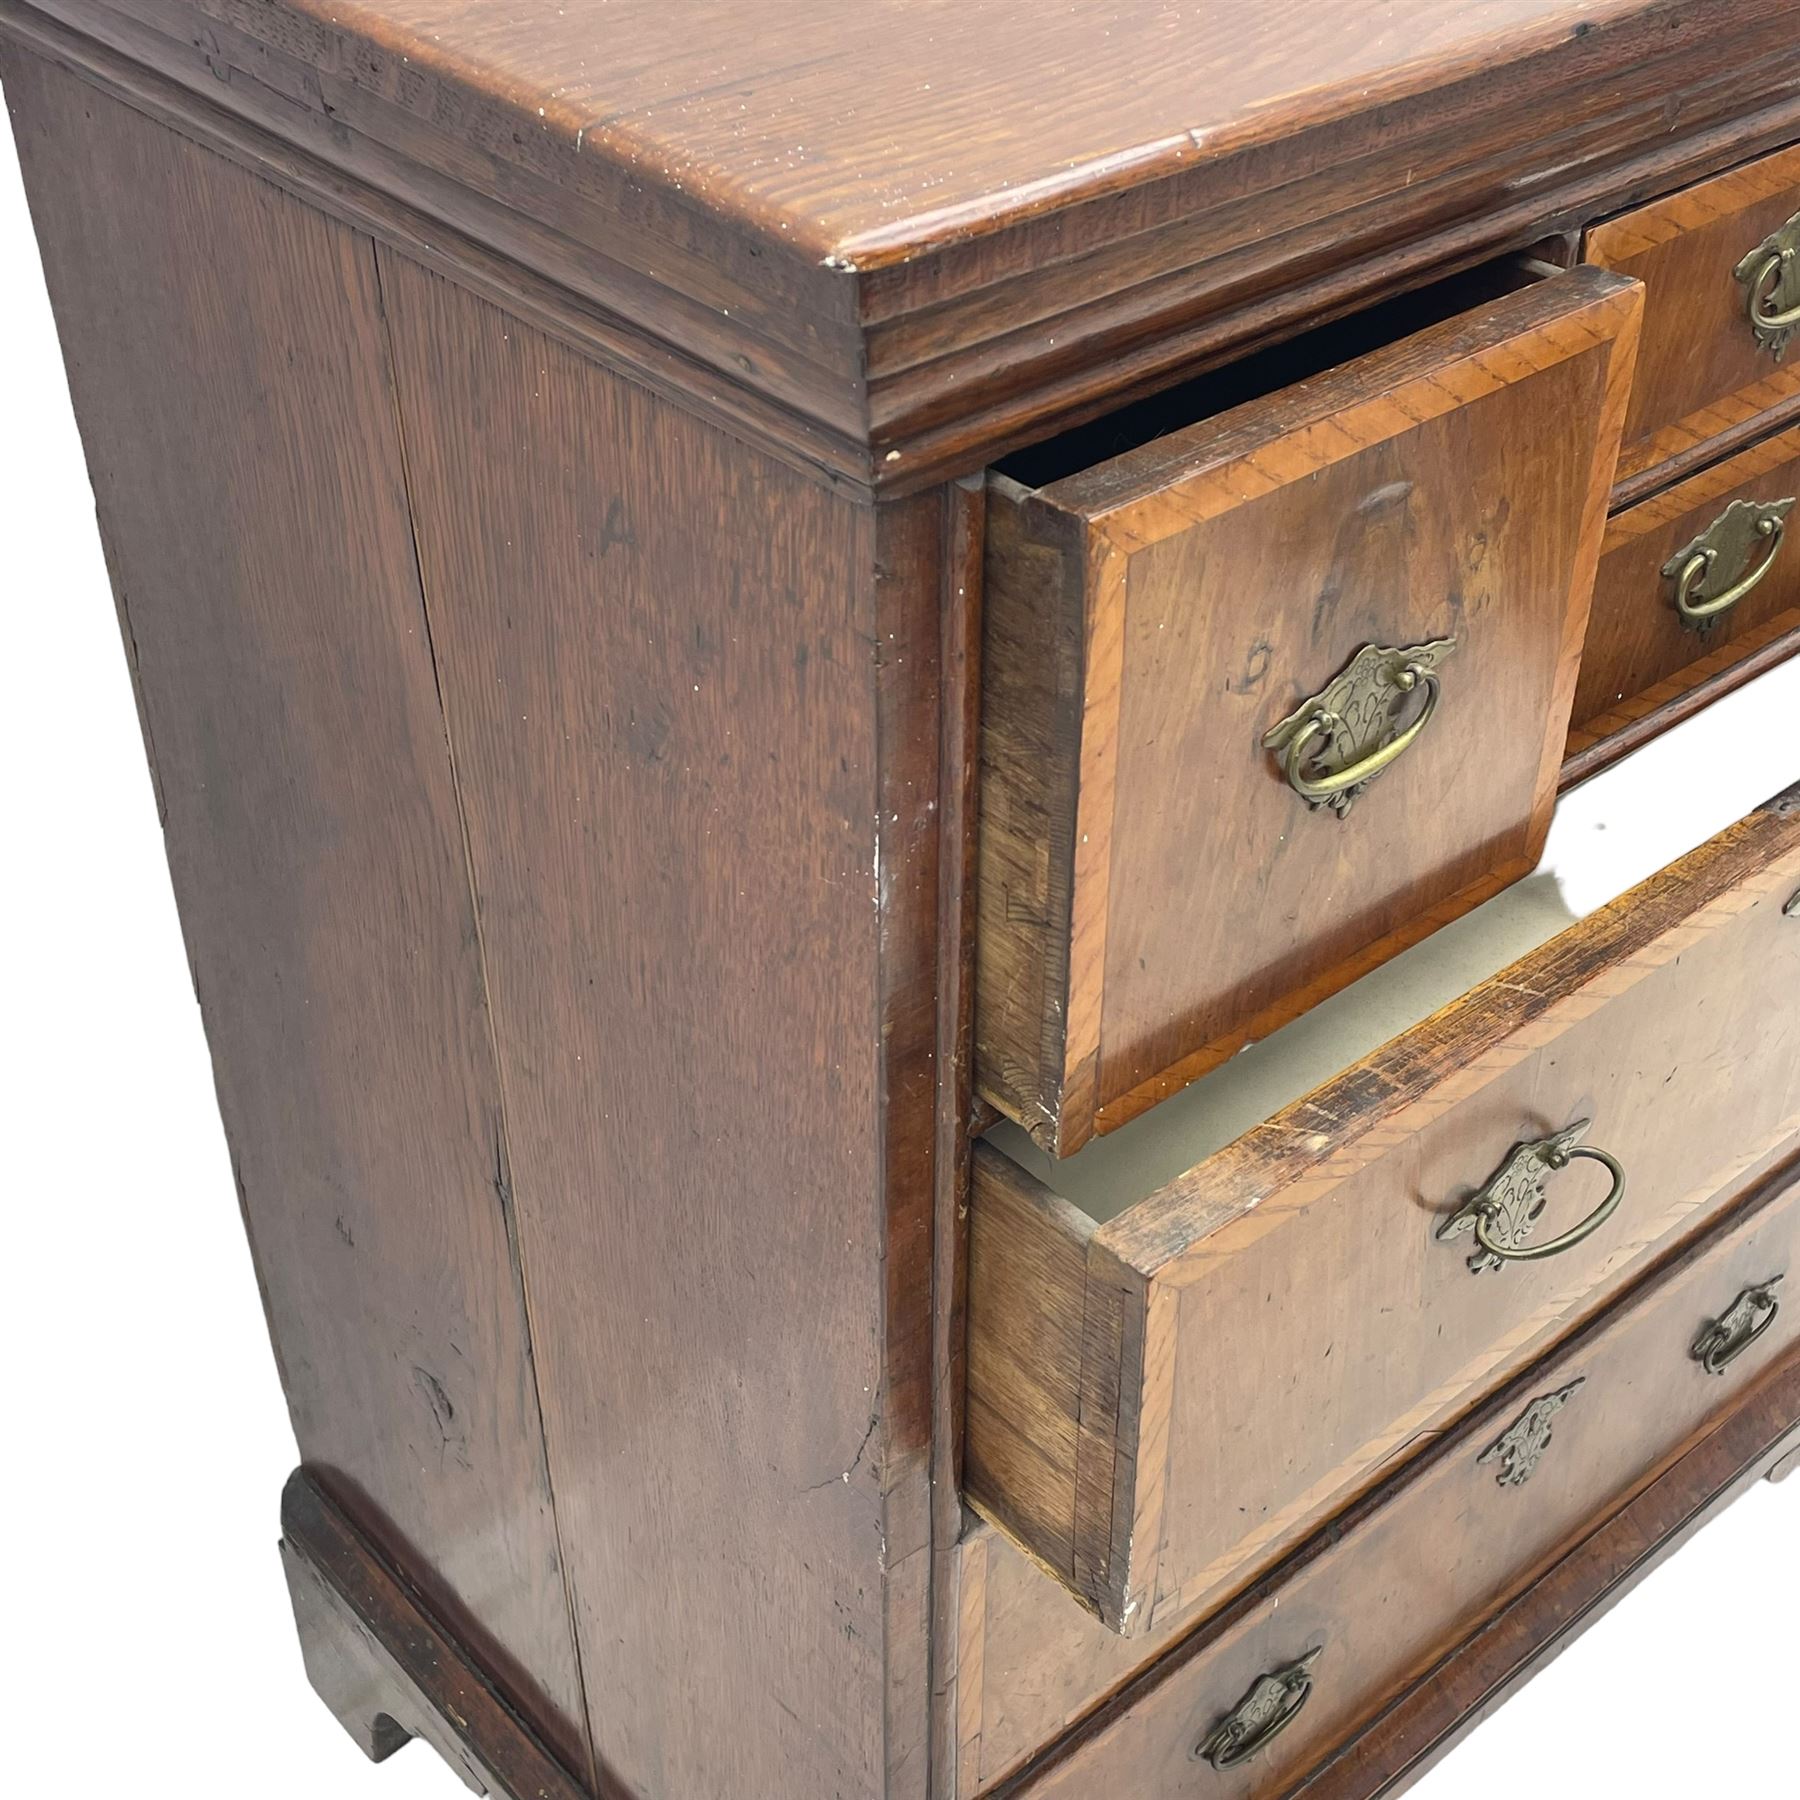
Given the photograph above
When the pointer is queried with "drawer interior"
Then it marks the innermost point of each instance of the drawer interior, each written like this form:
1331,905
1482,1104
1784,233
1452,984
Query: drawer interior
1269,371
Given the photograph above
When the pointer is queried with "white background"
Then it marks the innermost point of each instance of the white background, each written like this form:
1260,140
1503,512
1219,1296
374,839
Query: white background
145,1615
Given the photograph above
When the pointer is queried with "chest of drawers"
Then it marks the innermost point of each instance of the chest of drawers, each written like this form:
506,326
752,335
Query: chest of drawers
853,715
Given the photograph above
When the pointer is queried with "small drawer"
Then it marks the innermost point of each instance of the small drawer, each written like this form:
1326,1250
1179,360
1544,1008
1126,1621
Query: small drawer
1366,1608
1696,586
1188,1347
1711,257
1193,647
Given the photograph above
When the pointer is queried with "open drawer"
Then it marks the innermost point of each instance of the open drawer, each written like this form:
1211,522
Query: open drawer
1200,1338
1269,696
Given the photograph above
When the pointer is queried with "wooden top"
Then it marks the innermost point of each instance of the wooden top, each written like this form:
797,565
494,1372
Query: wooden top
913,231
867,132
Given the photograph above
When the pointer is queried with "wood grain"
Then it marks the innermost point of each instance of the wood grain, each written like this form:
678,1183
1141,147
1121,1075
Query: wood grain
583,931
1151,617
708,112
1387,1617
1315,1232
746,225
228,364
1721,430
1027,1295
693,705
1701,369
494,253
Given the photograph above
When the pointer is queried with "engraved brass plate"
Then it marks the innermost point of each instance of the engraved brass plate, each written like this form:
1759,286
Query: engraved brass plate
1334,744
1714,572
1770,278
1724,1339
1519,1448
1271,1705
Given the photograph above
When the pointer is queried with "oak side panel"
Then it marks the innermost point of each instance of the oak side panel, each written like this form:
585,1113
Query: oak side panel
659,657
914,545
226,354
958,809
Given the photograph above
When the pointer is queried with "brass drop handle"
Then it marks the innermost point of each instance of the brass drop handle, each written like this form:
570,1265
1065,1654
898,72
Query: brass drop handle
1764,275
1319,790
1505,1209
1272,1704
1335,743
1770,527
1491,1241
1724,1339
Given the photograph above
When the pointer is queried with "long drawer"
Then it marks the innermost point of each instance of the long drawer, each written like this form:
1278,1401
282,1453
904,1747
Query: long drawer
1165,1398
1248,1704
1267,697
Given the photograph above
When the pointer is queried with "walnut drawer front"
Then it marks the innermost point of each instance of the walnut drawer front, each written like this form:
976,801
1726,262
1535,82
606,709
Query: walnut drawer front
1162,1402
1419,1562
1152,889
1697,579
1706,373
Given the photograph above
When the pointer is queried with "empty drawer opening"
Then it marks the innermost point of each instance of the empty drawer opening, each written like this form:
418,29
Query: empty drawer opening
1265,372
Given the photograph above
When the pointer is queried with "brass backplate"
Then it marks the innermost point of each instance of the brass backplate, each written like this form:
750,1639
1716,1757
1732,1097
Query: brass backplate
1260,1716
1519,1448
